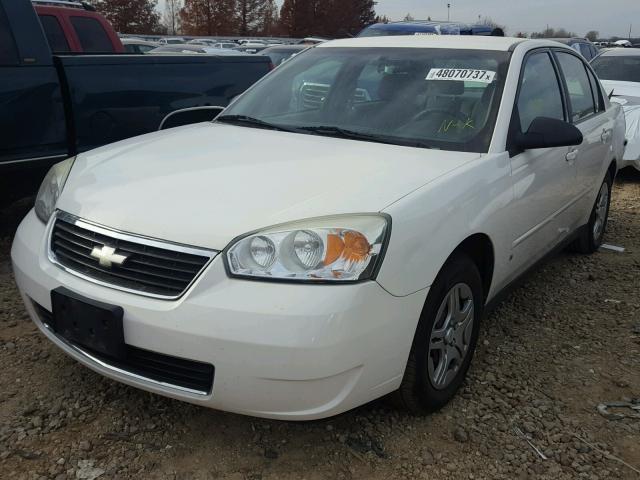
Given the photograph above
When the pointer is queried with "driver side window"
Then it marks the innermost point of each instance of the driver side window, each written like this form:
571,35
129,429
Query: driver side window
539,94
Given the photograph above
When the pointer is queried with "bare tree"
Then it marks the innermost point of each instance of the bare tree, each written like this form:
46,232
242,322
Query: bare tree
172,15
489,22
592,35
553,33
408,18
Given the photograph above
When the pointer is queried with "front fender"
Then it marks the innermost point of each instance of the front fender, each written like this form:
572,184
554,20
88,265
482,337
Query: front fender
431,222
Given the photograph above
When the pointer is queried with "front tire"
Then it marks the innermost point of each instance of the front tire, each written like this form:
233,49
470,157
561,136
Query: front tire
445,339
592,235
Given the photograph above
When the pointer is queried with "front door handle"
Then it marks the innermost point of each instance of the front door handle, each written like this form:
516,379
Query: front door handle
572,155
606,136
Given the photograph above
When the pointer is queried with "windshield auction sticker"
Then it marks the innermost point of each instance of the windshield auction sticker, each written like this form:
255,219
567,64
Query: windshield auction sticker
461,74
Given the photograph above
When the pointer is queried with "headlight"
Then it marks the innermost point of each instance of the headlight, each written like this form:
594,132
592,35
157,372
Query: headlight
327,249
51,189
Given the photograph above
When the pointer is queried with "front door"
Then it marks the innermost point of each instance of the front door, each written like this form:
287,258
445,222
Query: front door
544,180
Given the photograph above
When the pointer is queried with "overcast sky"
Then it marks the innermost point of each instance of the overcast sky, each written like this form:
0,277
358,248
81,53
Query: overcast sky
609,17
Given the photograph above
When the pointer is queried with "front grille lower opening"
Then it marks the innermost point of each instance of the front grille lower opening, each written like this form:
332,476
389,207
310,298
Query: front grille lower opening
173,371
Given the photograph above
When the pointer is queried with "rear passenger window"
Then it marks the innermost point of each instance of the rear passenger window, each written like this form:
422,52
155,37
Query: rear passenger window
8,51
585,50
55,35
92,35
539,91
580,96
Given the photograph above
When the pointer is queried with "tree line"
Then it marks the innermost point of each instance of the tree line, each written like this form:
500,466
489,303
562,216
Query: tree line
296,18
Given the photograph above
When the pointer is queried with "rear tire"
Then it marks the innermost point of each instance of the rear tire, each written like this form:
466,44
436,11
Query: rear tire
445,339
592,234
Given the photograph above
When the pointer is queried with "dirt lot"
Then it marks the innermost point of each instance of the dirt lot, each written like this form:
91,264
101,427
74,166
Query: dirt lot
565,341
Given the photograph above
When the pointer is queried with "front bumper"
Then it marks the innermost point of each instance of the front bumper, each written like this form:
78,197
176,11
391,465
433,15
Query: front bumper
286,351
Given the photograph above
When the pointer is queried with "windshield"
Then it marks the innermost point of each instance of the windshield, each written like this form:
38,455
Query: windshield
620,68
431,98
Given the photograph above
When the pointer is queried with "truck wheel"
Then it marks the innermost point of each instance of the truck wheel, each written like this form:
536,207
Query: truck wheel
591,237
445,339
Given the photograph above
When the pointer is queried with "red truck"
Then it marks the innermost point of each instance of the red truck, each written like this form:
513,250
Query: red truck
76,27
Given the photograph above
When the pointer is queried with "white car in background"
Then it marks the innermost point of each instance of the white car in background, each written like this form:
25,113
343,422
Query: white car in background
171,41
334,235
619,72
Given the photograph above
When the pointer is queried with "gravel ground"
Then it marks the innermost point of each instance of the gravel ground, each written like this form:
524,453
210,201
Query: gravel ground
565,341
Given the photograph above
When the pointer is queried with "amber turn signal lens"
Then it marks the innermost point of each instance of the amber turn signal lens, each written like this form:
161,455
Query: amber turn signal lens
335,247
354,247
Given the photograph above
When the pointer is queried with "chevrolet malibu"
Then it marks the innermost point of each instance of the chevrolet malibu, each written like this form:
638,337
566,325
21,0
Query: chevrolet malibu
335,235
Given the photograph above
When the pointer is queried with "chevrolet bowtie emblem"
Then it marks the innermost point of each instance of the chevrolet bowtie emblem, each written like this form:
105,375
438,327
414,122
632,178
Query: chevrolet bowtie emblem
107,256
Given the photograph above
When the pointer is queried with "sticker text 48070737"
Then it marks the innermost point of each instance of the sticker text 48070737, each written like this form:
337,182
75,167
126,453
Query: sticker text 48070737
461,74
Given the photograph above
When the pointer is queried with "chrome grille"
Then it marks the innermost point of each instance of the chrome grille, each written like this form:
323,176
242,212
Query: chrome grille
152,267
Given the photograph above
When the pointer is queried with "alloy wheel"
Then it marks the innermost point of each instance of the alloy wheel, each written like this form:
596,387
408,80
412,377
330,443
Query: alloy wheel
600,220
451,335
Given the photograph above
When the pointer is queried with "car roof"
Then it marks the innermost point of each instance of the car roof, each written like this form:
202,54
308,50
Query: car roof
469,42
621,52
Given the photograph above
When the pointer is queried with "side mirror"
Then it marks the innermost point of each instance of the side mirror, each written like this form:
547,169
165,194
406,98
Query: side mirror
187,116
549,132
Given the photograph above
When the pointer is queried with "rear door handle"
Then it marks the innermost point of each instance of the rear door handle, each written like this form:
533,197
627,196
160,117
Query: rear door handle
572,155
606,136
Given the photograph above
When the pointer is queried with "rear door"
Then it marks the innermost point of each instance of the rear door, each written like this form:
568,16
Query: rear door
544,180
587,112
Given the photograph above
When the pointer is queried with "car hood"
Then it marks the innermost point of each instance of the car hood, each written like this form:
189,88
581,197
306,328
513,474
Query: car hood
622,89
205,184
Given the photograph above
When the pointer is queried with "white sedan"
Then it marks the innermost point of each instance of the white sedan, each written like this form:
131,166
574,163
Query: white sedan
334,235
619,71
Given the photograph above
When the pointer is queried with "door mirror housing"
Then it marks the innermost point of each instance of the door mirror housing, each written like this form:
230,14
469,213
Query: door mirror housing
187,116
547,132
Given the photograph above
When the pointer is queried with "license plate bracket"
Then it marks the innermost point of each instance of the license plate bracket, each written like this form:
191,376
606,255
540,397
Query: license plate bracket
87,323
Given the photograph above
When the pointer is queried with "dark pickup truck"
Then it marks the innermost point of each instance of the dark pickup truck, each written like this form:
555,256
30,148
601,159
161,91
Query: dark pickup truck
55,106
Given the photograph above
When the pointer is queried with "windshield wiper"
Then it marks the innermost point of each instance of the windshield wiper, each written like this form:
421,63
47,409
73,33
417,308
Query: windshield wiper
252,122
333,131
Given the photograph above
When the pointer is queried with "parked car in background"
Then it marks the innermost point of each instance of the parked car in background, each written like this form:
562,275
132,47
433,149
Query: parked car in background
76,27
581,45
188,49
281,53
424,27
251,47
253,41
203,41
619,72
225,45
311,41
171,41
295,260
54,106
138,46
